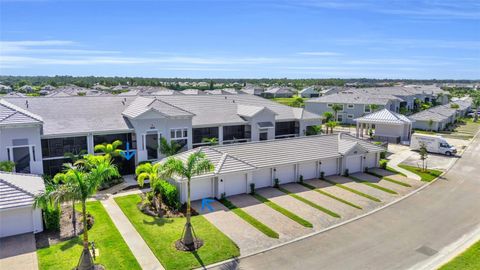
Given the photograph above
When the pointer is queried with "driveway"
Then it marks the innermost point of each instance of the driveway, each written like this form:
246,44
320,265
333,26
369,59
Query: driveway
18,252
247,237
402,190
379,194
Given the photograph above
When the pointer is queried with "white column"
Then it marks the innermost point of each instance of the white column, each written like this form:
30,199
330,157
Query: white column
356,130
361,130
220,135
90,144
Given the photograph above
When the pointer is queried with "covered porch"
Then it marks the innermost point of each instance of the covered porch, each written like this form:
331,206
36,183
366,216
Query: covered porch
384,125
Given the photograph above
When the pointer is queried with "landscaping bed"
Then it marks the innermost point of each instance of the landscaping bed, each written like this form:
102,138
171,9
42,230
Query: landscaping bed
427,176
113,252
165,211
160,235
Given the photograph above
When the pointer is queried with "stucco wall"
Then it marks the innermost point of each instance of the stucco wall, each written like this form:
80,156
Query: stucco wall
32,134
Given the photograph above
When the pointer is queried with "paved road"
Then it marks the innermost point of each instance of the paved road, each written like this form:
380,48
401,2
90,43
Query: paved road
401,236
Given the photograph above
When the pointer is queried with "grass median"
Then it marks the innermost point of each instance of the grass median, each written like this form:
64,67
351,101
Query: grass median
312,204
427,176
468,260
361,181
359,193
283,211
160,235
386,178
330,195
251,220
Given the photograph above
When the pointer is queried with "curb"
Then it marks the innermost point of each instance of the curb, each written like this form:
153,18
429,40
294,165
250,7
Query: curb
342,223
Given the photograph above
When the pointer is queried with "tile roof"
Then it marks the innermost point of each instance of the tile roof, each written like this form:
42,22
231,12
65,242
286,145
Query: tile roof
436,113
11,114
17,190
142,105
384,116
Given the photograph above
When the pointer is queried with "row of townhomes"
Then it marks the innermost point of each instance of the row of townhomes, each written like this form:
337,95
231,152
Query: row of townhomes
36,132
357,102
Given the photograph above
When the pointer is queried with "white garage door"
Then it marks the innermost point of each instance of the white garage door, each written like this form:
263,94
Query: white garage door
285,174
262,178
16,221
354,164
371,160
200,188
329,167
235,184
308,170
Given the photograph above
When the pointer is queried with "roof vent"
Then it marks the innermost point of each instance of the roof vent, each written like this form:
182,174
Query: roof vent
26,103
233,101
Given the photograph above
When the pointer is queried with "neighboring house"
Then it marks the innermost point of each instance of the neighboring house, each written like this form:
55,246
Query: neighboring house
309,92
356,101
440,117
193,92
253,90
5,89
239,165
37,131
386,126
48,88
14,94
17,215
219,92
279,92
328,90
26,89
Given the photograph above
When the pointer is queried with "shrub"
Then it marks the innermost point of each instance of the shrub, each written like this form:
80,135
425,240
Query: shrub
169,194
346,173
366,169
252,188
383,154
7,166
276,183
383,164
51,216
300,179
322,175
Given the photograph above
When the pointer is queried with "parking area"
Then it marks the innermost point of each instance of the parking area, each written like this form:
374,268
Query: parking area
18,252
316,201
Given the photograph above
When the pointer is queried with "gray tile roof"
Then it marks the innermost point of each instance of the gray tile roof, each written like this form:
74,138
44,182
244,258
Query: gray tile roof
436,113
17,190
384,116
246,156
11,114
73,115
350,97
248,110
142,105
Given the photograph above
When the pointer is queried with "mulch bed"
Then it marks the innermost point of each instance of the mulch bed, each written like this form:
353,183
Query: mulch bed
47,238
165,211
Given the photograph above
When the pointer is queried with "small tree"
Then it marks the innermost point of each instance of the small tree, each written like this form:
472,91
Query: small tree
373,107
169,148
147,171
336,108
7,166
109,149
210,141
331,125
423,156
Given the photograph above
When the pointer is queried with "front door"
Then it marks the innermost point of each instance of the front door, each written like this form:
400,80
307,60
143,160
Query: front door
263,136
21,157
152,143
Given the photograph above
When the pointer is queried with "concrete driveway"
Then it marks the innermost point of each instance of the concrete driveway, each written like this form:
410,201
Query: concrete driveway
18,252
400,189
379,194
247,237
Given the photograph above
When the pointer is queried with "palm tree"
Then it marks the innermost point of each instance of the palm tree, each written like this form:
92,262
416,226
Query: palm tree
373,107
328,117
331,125
109,149
153,174
210,141
65,195
169,149
83,182
195,164
48,201
74,157
336,108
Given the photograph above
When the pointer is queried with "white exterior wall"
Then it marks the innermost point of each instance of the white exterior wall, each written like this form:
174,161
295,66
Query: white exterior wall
264,116
329,166
392,130
32,134
20,220
262,178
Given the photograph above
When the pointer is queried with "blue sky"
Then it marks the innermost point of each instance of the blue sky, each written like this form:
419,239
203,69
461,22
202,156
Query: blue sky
418,39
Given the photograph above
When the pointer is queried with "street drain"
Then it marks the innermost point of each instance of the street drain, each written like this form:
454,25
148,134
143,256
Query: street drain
426,250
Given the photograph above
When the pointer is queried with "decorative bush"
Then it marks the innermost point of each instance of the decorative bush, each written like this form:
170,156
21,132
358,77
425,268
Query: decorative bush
252,188
346,173
383,163
276,183
51,216
383,154
322,175
169,194
300,179
7,166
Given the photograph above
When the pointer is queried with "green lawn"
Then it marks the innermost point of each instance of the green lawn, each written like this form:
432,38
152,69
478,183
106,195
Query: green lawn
251,220
312,204
293,101
330,195
113,251
358,180
375,199
160,235
427,176
283,211
468,260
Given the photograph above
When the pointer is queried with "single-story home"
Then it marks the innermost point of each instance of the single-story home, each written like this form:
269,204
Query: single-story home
279,92
309,92
387,125
237,166
17,215
440,117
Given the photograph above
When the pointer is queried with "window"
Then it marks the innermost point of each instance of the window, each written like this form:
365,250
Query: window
329,105
200,133
444,145
234,133
179,133
350,116
340,118
59,146
286,128
367,109
350,106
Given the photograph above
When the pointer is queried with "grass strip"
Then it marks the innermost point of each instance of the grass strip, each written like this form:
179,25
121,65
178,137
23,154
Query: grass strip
468,260
330,195
392,170
312,204
248,218
427,176
372,185
354,191
389,179
283,211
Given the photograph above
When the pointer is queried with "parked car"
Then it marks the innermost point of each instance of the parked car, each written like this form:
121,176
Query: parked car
433,143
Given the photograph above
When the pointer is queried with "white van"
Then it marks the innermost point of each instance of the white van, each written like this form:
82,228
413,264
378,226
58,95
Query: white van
433,143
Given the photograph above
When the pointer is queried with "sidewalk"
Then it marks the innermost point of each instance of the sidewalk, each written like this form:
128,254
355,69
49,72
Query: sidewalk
398,158
135,242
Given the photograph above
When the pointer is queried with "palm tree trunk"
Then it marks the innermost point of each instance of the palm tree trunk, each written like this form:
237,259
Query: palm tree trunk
86,261
85,230
188,237
74,218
